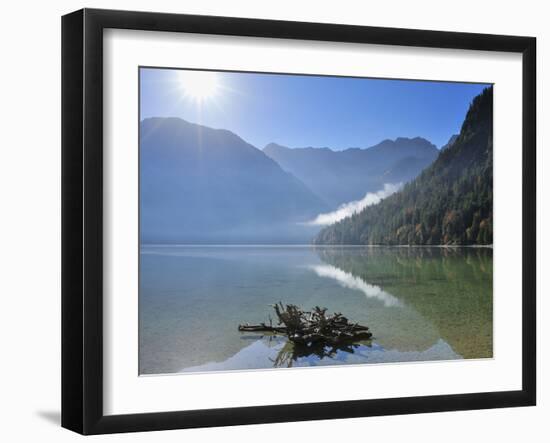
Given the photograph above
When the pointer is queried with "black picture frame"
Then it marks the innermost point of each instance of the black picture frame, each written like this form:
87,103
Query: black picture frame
82,218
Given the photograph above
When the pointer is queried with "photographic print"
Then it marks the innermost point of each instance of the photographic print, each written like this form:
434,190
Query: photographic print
303,220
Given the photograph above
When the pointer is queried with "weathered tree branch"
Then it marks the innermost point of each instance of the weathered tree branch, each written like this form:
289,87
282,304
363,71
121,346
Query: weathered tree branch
312,327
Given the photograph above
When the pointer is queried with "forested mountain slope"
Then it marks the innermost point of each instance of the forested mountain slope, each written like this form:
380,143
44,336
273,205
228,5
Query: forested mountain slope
450,202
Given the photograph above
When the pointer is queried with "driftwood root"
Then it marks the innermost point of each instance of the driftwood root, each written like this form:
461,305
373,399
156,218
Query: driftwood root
313,327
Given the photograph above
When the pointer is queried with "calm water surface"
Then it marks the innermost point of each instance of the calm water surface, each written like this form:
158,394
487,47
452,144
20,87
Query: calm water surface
420,303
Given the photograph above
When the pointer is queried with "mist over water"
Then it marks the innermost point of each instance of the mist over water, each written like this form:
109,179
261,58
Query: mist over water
354,207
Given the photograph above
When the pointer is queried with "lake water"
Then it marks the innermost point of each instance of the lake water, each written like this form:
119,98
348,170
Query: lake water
420,304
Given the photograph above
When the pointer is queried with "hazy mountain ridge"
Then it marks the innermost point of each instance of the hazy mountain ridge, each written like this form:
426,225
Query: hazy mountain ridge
199,184
342,176
451,202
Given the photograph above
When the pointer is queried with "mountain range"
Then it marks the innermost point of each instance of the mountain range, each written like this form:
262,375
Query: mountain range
199,184
450,202
339,177
205,185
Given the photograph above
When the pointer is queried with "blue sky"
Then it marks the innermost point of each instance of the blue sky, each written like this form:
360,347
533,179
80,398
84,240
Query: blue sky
319,111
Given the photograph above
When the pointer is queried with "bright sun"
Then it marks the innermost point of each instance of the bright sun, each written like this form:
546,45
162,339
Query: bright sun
199,85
